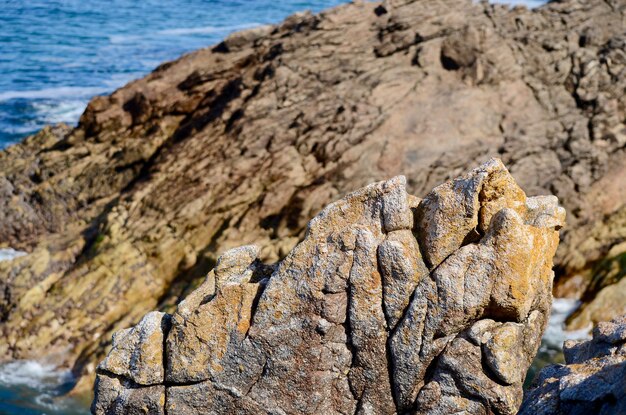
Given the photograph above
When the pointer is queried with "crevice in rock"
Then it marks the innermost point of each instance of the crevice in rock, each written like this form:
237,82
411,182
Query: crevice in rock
390,369
128,383
380,10
5,308
448,63
348,330
168,384
389,329
255,304
429,374
166,325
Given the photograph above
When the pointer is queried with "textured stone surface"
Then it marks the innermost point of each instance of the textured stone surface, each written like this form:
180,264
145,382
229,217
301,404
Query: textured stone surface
137,353
121,397
593,380
244,142
352,321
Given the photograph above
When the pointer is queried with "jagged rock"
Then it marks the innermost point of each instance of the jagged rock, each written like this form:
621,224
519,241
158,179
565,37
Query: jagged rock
593,380
242,143
353,322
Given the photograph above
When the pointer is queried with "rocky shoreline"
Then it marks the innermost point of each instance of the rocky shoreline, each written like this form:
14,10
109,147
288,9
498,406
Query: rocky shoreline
244,142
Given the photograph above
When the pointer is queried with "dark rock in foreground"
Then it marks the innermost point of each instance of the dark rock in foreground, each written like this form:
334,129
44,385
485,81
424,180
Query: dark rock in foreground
593,380
389,305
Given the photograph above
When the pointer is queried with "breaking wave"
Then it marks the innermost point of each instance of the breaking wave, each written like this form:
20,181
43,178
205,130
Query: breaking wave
29,387
7,254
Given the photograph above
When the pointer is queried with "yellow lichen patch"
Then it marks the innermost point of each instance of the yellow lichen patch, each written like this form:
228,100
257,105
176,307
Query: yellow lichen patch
204,337
511,294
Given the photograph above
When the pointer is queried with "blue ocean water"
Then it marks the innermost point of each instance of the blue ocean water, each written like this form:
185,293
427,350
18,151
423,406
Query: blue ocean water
32,388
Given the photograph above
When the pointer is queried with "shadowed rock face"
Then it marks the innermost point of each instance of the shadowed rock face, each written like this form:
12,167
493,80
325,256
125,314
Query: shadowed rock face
390,304
243,143
593,380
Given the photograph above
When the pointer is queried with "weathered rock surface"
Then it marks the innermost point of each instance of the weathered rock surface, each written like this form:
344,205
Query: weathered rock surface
593,380
242,143
389,305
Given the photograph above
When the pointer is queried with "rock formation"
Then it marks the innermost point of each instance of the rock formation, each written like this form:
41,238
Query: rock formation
244,142
593,380
390,304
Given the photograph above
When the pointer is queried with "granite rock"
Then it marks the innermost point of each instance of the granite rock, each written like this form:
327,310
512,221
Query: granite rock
353,321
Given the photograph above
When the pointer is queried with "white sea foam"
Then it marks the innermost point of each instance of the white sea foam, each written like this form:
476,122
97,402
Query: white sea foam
7,254
121,39
32,374
181,31
206,29
121,79
69,108
54,93
555,333
38,386
23,129
64,111
531,4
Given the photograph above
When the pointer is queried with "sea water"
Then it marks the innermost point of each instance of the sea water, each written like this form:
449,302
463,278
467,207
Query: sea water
55,55
33,388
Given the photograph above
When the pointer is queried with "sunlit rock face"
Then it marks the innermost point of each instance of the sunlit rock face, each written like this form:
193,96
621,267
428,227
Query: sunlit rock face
390,304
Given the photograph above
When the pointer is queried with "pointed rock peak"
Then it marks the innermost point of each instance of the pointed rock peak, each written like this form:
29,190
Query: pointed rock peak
137,352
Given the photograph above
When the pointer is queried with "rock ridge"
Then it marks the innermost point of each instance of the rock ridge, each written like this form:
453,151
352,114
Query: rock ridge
390,304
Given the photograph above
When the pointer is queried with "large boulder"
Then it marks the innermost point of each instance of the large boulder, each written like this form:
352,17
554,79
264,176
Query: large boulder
389,305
